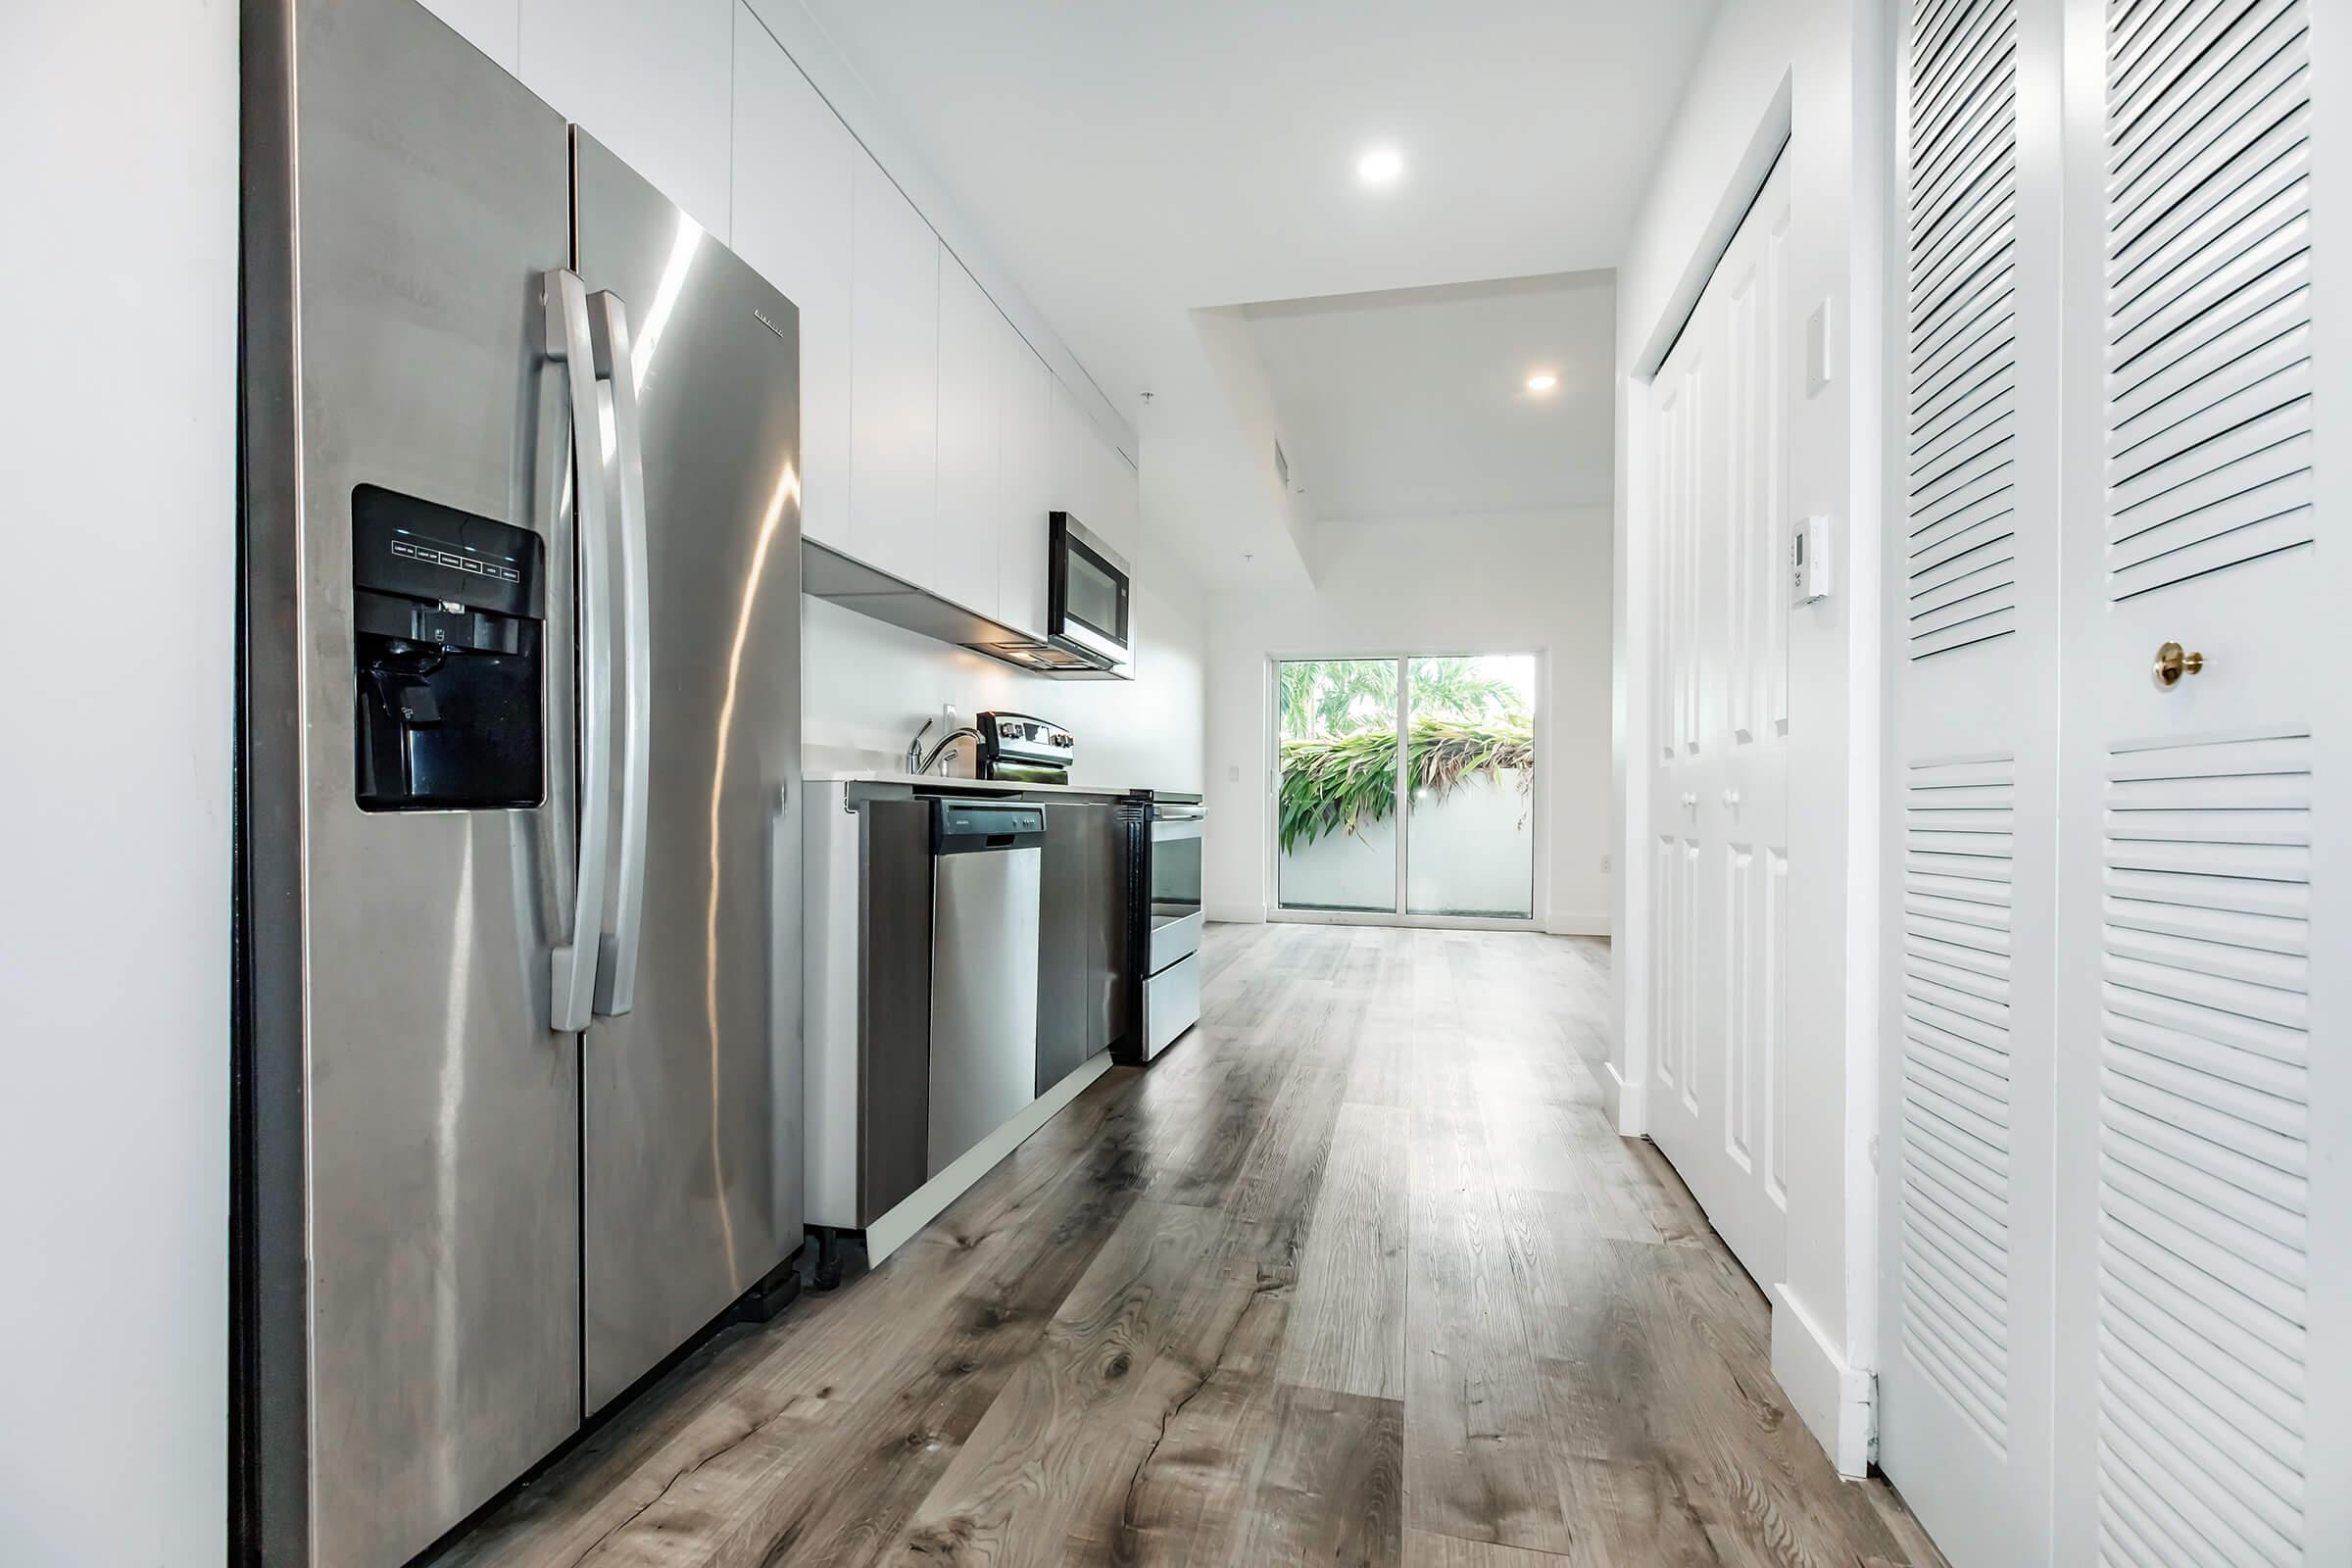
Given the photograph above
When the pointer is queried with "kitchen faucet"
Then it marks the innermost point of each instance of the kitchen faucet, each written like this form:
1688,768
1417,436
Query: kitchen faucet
920,761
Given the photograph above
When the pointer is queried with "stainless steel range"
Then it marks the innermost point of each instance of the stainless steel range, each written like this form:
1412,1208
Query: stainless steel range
1166,922
1023,748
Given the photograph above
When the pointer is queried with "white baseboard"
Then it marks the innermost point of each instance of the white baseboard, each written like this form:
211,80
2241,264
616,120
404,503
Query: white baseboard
1235,914
1626,1104
1578,925
921,1206
1837,1403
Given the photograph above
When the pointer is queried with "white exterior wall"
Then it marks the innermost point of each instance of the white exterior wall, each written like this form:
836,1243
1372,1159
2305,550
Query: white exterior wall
1473,853
1772,67
1521,582
119,468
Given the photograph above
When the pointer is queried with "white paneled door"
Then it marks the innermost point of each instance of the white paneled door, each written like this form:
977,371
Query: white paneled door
1719,798
2119,1090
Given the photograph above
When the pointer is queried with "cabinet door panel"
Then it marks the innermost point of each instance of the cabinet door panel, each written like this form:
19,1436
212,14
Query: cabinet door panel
651,82
1024,481
1124,502
963,560
795,168
894,379
1071,455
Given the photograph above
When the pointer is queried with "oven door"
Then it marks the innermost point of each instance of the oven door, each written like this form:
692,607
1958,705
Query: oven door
1088,598
1175,870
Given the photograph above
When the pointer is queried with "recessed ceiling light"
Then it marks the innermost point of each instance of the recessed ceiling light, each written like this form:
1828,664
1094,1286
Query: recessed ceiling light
1542,381
1380,165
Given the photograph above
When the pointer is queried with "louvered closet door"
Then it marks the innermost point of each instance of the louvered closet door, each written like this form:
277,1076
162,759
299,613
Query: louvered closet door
2206,1067
1719,805
1971,553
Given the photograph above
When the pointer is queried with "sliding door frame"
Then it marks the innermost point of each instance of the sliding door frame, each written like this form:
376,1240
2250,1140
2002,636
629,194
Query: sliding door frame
1539,814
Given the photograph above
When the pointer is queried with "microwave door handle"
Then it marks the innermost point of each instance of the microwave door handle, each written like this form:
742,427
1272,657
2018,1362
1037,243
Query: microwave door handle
616,949
571,964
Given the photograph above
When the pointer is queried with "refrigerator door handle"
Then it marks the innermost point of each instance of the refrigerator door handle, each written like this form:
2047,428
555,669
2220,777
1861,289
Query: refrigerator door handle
571,966
625,449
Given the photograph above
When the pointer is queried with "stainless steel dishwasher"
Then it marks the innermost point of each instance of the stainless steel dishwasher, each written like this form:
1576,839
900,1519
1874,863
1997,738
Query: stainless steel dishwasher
987,861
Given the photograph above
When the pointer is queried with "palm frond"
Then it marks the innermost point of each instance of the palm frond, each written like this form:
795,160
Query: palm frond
1348,782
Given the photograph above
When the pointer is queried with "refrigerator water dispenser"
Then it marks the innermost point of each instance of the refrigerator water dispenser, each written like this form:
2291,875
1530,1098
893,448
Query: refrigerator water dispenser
449,614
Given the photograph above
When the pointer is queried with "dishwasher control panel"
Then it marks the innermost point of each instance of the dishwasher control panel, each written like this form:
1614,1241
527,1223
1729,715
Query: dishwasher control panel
968,827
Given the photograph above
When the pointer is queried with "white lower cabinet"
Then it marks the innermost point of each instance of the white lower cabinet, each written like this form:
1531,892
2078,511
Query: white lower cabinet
796,167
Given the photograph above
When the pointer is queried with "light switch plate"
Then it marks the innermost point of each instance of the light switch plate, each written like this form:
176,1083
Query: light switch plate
1821,348
1809,560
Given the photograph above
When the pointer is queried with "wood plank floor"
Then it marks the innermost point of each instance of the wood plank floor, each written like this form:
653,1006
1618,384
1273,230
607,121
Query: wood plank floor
1358,1273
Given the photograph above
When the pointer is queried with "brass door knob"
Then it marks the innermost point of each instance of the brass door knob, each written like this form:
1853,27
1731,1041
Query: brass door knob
2171,663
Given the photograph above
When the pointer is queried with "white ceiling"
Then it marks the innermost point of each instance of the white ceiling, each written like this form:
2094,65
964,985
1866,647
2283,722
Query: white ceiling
1130,164
1413,403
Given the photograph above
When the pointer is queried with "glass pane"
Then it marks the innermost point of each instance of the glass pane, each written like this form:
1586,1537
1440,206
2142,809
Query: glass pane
1176,867
1473,782
1338,810
1094,595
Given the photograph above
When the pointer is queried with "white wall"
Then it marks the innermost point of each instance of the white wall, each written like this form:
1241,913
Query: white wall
865,686
118,474
1521,582
1770,65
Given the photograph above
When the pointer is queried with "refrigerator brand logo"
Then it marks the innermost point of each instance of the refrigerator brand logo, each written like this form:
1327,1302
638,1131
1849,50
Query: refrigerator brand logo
770,326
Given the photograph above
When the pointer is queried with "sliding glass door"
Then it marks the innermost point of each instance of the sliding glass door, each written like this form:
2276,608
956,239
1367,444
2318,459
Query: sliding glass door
1336,804
1453,738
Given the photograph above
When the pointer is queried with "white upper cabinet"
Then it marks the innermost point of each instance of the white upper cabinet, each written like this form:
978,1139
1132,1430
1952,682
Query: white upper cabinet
963,552
1024,480
1125,500
494,27
652,82
1093,481
796,164
894,380
1069,456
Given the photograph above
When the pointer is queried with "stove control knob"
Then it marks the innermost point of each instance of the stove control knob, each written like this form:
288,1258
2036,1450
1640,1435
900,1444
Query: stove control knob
1010,730
1065,742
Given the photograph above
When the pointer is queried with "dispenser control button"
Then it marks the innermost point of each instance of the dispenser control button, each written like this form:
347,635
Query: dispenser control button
416,704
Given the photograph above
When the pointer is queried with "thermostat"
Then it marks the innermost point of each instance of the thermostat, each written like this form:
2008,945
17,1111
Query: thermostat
1809,560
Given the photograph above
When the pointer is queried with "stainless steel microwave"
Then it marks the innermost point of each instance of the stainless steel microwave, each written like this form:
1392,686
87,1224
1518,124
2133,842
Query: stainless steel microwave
1089,608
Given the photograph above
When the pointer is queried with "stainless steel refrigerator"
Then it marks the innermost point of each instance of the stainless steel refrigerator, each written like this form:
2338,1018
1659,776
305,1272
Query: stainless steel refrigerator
517,1044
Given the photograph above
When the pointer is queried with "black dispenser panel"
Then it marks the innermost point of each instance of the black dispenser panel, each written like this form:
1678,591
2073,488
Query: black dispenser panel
451,615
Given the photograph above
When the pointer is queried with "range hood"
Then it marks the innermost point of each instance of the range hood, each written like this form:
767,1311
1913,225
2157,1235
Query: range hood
828,575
